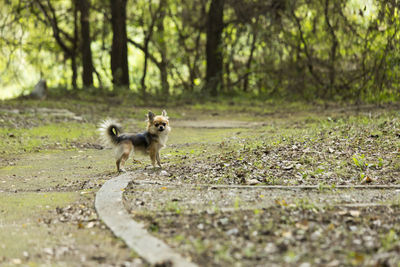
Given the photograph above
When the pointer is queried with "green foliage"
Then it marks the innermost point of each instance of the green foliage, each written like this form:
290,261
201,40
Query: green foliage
360,162
390,240
57,135
346,50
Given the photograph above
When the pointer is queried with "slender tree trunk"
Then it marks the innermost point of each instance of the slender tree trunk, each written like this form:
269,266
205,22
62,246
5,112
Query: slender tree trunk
332,55
146,56
164,78
149,34
74,50
250,59
163,50
87,64
214,57
119,49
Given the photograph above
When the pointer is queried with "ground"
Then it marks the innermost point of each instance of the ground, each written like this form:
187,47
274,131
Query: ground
52,164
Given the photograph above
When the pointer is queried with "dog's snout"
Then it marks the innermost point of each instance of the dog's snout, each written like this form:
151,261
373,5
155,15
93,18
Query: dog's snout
161,128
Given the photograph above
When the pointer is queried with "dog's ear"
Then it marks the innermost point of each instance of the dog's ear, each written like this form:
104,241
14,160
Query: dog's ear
164,113
150,116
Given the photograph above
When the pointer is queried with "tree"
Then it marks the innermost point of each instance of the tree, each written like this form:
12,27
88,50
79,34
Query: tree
330,49
119,49
214,54
86,52
148,35
62,37
162,48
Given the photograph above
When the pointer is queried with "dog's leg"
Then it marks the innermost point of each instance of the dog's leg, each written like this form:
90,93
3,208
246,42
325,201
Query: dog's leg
127,150
122,154
124,158
158,158
153,157
118,162
118,157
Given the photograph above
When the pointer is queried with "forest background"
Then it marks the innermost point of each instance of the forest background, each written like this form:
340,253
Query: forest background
293,49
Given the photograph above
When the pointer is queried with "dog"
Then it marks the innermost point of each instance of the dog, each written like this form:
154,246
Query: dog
150,142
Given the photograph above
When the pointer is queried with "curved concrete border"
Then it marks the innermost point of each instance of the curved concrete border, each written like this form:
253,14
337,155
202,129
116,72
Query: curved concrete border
109,205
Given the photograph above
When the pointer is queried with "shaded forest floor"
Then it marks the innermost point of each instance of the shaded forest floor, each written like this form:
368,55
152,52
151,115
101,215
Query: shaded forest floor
52,164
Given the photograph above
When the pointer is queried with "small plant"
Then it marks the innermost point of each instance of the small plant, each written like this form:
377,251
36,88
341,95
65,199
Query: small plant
360,162
174,207
362,165
325,187
236,203
380,163
390,240
154,227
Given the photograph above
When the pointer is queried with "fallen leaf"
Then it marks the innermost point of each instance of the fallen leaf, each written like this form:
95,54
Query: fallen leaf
302,225
287,234
331,227
355,213
16,261
281,202
90,225
288,167
252,182
48,251
358,259
342,212
367,180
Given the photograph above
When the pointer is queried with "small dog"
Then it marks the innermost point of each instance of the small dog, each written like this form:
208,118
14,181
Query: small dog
149,142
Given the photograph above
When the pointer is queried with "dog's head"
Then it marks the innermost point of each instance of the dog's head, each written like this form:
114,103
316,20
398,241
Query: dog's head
158,124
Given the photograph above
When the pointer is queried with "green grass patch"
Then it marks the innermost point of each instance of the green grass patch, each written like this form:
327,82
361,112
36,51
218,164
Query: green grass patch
22,220
16,207
56,135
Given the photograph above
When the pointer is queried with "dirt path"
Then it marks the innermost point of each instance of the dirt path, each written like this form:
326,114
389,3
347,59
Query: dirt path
220,199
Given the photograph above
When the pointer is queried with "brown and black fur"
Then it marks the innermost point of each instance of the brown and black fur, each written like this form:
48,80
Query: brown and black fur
149,142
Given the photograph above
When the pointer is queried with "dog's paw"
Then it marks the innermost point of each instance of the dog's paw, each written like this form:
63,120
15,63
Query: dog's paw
122,170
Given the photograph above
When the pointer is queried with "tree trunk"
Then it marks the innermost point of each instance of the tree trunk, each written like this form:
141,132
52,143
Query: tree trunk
148,36
74,49
87,64
332,55
163,50
214,57
119,49
250,59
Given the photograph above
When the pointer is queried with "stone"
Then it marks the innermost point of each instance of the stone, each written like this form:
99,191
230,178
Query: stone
40,90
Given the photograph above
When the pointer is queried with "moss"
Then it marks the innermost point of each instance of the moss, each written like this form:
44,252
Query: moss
23,222
56,135
56,168
24,206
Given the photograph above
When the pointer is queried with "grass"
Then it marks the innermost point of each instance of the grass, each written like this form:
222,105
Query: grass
22,220
52,136
56,169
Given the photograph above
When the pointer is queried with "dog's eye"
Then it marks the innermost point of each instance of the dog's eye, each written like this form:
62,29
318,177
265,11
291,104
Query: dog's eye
156,124
163,123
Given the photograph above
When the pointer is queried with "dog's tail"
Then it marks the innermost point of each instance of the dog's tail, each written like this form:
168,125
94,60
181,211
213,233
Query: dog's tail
109,131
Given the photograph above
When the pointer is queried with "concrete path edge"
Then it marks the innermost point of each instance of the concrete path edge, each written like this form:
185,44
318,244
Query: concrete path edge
110,208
